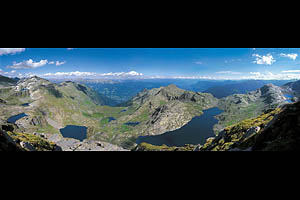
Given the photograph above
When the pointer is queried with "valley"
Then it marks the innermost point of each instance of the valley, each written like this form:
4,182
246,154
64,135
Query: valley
159,116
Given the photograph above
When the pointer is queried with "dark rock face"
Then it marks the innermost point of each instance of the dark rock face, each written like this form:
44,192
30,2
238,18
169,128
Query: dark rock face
283,133
7,144
272,94
52,90
2,101
81,88
8,127
277,130
5,81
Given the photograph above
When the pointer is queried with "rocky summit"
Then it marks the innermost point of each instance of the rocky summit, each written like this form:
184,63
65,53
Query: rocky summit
38,109
154,112
276,130
239,107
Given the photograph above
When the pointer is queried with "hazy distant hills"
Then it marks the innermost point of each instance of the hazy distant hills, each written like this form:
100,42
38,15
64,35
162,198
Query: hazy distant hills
153,111
293,88
5,81
122,91
240,87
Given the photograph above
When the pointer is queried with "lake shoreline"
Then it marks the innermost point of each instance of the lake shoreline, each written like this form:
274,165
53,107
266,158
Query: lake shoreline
197,131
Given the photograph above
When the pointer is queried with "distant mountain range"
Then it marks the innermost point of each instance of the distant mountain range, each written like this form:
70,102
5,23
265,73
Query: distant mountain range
52,106
5,81
122,91
240,87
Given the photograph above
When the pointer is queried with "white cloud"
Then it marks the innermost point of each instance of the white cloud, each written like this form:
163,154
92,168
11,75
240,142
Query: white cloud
291,71
198,63
264,60
94,75
6,51
228,72
60,63
28,64
8,74
292,56
132,73
76,73
271,76
255,73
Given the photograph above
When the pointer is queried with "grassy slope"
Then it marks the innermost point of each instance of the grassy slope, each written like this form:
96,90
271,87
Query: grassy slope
235,136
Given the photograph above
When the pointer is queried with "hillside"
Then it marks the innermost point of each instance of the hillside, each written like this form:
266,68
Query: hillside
154,112
244,106
277,130
292,88
50,106
6,82
239,87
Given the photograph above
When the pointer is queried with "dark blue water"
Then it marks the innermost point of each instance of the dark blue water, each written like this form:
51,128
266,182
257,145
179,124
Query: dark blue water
195,132
76,132
123,110
15,118
111,119
25,105
289,98
132,123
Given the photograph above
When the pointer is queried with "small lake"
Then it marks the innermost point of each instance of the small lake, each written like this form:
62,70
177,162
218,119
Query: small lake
195,132
15,118
289,98
111,119
132,123
25,105
75,132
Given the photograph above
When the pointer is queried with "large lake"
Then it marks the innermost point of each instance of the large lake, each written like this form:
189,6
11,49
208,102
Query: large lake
76,132
195,132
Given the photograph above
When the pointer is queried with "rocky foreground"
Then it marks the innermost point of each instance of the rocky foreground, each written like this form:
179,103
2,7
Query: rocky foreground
275,130
12,139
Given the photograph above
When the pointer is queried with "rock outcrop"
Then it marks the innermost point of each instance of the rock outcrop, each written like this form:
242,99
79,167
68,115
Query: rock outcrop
239,107
68,144
277,130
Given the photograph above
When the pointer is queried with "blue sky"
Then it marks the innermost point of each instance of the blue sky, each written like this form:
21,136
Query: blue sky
196,63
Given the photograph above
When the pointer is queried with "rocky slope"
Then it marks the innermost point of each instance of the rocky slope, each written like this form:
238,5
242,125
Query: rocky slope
49,107
7,82
225,88
275,130
239,107
155,112
292,88
12,139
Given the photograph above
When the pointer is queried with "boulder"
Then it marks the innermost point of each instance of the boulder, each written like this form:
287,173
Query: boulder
27,146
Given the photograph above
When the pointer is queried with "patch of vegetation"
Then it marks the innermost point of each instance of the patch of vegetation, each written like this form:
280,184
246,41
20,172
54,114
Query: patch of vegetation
51,89
104,121
125,128
149,147
37,142
94,115
238,135
161,103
